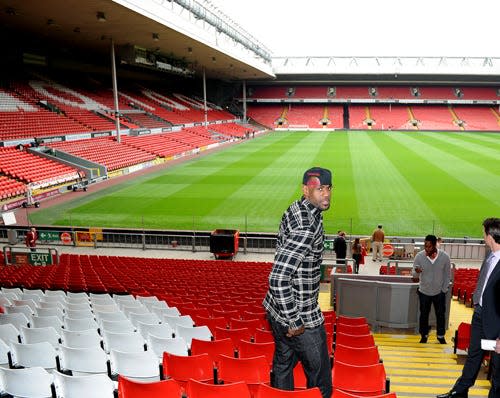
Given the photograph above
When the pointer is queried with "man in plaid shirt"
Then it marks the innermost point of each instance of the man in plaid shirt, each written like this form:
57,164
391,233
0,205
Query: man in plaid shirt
292,299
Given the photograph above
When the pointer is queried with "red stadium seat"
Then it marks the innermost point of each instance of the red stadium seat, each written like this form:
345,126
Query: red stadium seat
197,389
128,388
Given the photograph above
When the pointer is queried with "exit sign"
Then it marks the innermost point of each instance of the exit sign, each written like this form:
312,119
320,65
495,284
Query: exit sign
40,258
328,244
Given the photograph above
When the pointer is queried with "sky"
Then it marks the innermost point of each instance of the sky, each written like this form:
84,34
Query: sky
370,27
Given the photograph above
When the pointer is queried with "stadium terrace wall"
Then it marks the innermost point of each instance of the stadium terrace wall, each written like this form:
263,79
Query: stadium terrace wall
199,241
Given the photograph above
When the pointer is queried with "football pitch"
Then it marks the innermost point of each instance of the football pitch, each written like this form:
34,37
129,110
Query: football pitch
414,183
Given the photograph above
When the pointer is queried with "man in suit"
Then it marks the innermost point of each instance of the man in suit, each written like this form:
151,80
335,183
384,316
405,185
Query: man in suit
485,320
340,247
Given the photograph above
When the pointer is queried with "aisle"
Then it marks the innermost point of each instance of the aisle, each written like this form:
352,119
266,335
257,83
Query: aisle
422,370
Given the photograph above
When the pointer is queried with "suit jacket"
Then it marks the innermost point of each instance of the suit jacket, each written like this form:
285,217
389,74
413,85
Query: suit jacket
490,314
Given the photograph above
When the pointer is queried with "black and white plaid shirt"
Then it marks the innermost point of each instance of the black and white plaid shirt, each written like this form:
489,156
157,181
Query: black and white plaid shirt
292,298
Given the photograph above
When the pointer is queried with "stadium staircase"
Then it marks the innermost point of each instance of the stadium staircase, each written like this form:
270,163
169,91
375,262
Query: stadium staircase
413,121
456,120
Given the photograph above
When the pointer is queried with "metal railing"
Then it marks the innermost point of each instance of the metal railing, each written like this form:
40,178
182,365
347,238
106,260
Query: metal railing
199,241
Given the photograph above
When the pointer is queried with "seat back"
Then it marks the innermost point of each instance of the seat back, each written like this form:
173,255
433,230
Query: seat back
159,330
136,365
343,394
81,339
37,335
182,368
100,386
352,320
196,389
462,337
82,360
128,388
110,316
189,333
123,326
252,370
13,382
212,348
29,355
356,355
79,324
128,342
4,353
148,317
21,309
247,349
79,314
266,391
172,345
352,329
54,321
9,332
263,336
182,320
350,340
234,334
54,311
361,380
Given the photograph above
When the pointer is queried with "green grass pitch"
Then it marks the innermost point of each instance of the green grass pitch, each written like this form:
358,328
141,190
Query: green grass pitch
414,183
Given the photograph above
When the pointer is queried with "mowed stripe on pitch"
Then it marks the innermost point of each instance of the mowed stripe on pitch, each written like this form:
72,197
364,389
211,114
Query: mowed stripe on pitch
482,181
278,178
381,188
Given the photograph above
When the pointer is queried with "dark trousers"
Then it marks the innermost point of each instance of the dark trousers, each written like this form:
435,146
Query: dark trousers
439,302
475,357
357,259
311,349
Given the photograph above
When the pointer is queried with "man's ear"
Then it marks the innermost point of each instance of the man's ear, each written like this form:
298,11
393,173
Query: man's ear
305,191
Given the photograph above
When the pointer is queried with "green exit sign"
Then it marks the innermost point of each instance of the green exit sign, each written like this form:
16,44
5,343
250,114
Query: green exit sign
40,258
48,235
328,244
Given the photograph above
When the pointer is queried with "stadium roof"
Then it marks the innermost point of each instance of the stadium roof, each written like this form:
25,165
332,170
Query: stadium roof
203,38
166,27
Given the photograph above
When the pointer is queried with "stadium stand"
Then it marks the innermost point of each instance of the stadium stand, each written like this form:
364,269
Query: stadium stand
105,151
391,117
10,188
267,115
358,116
436,117
31,169
306,115
478,118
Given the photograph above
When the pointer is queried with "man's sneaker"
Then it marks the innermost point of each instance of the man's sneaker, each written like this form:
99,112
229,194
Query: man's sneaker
441,340
423,339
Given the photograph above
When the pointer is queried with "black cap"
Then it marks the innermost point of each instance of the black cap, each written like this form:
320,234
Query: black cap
324,175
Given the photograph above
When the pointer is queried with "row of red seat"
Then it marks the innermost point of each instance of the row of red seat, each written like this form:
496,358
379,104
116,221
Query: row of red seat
378,117
10,188
370,92
29,168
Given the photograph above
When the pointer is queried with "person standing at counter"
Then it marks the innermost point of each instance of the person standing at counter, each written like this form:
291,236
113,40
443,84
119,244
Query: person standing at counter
432,268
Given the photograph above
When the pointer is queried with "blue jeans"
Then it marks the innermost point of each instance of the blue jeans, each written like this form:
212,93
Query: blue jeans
309,348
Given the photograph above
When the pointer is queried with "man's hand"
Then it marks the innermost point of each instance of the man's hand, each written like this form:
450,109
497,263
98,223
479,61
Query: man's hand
497,346
295,332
